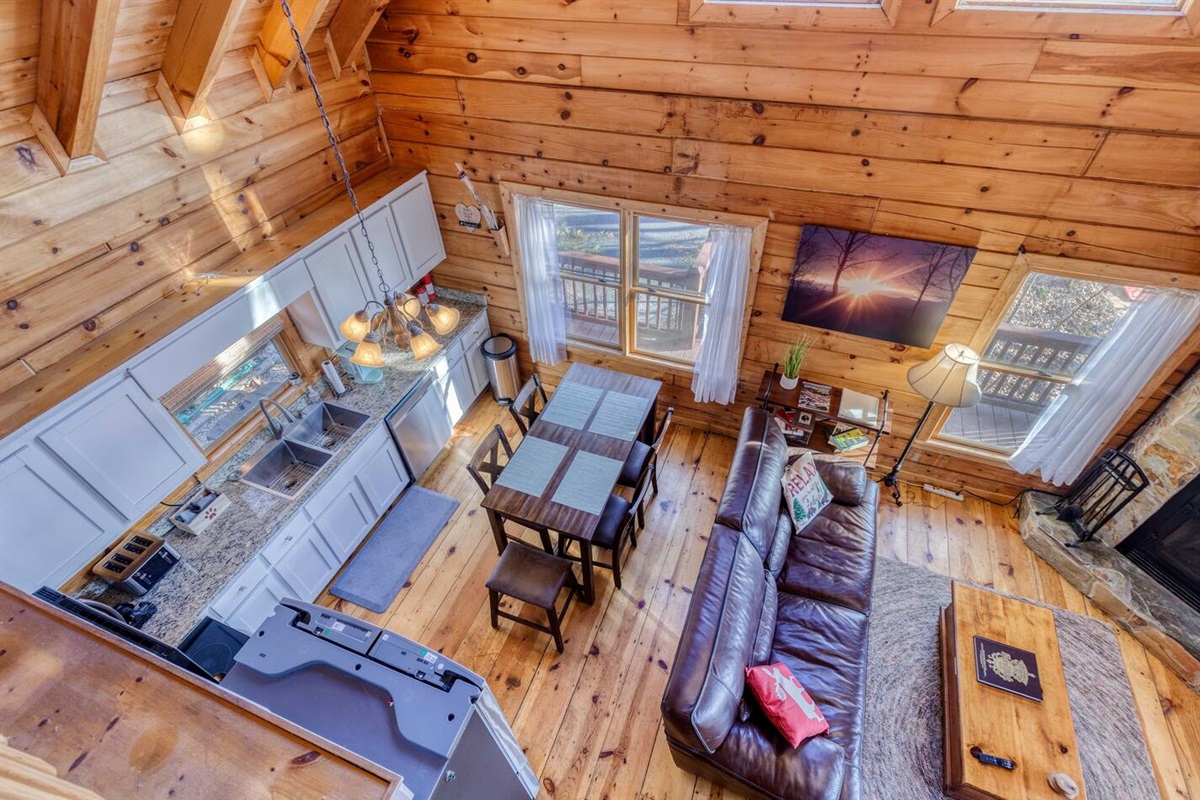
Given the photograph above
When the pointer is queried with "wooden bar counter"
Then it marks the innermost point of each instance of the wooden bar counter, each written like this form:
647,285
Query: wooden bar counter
125,724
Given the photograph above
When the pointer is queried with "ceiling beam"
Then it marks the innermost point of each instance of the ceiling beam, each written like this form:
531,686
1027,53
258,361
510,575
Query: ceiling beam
352,23
197,44
275,54
77,39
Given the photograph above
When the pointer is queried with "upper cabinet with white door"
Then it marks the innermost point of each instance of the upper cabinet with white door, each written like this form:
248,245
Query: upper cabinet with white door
126,446
338,279
389,249
412,209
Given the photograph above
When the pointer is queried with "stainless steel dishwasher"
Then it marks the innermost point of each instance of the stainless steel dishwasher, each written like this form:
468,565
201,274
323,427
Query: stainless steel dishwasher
420,424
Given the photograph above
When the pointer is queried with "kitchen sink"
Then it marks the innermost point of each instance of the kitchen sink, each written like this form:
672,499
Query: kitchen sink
327,426
283,467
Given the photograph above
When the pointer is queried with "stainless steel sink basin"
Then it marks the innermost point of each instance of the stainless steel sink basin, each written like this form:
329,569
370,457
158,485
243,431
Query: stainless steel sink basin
327,426
283,467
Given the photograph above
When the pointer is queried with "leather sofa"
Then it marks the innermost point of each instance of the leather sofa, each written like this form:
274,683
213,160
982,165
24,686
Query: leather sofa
765,595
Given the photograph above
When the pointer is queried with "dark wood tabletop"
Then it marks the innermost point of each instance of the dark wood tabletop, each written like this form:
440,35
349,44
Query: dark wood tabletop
542,511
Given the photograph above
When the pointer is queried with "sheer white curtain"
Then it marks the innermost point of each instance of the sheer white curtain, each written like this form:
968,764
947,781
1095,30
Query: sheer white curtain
1075,425
545,311
715,376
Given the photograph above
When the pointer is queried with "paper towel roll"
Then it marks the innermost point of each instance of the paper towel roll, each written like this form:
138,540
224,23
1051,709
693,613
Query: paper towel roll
332,378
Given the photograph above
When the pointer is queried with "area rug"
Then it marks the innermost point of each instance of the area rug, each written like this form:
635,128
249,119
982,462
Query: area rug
902,749
378,571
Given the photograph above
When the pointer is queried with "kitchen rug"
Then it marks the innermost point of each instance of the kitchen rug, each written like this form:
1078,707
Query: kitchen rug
902,745
379,569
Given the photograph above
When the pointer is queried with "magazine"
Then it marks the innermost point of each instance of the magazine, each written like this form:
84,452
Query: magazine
815,395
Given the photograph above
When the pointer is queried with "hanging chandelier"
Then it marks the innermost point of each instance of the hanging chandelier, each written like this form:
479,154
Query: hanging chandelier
395,322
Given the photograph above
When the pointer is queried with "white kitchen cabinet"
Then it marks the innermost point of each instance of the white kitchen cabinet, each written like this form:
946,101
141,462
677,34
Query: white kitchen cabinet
51,524
417,223
308,565
236,591
383,475
458,390
260,602
346,520
389,249
339,279
127,447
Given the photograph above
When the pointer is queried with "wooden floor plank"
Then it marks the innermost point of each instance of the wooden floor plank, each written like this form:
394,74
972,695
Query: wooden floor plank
589,719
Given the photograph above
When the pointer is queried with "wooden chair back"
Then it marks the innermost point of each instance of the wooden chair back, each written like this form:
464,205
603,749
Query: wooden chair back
529,403
486,460
662,429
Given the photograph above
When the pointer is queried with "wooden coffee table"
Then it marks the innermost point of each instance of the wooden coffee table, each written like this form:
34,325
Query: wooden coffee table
1038,736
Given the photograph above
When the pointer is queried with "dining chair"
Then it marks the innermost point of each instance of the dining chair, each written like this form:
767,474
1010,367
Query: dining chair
485,467
616,529
525,407
640,457
534,577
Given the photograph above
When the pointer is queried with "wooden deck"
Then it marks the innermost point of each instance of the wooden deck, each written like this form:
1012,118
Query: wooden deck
991,424
589,718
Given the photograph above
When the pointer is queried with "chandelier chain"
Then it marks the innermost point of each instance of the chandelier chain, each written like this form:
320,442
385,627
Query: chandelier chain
337,153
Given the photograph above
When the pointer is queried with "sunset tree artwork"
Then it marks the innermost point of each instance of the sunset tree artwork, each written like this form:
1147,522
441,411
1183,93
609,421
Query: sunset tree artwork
882,287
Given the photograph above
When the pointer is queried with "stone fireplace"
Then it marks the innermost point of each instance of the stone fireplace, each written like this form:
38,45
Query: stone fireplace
1160,529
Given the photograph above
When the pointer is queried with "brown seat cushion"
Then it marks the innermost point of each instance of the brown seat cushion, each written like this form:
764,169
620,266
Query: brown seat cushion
529,574
611,520
631,470
833,557
758,754
846,480
825,645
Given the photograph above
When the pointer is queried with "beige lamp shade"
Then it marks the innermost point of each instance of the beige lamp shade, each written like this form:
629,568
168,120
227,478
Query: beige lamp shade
443,318
369,353
424,345
356,326
410,305
950,378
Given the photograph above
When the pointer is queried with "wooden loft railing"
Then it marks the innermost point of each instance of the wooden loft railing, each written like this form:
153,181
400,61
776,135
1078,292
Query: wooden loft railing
1032,355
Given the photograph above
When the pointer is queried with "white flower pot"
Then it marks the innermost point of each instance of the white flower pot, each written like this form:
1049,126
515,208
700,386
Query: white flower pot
788,383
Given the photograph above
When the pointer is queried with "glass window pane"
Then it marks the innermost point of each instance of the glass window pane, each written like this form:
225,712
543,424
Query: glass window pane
1055,323
1134,6
1011,405
672,254
589,253
214,410
669,327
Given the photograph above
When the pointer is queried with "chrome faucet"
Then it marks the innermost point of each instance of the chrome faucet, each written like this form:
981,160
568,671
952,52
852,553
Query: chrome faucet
276,428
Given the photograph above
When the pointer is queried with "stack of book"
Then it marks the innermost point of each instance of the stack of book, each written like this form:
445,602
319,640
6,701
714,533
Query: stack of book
797,426
845,438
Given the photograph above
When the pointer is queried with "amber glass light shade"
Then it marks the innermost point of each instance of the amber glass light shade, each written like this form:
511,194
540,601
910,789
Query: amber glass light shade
356,326
423,345
443,318
368,353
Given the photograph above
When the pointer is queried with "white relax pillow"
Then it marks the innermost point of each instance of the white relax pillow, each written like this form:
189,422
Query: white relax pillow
804,492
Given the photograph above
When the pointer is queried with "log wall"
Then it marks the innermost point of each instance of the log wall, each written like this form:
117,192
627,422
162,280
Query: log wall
88,254
1087,148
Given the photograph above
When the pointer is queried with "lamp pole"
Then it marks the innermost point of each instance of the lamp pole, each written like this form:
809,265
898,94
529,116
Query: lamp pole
892,479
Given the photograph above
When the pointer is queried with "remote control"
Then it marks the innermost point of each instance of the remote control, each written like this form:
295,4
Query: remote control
993,761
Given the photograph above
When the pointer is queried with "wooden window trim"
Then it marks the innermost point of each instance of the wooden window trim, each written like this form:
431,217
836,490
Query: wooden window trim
834,15
1050,21
625,208
931,438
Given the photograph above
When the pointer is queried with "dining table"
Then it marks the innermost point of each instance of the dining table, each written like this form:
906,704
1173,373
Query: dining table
568,464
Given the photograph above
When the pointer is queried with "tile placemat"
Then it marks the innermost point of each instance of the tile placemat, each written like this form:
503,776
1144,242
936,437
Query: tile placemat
532,466
588,482
620,415
571,405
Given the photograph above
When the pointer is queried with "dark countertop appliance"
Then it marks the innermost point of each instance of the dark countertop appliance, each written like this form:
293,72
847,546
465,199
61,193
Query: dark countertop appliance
387,698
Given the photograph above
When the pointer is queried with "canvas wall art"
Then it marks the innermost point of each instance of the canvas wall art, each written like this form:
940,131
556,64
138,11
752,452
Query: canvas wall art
882,287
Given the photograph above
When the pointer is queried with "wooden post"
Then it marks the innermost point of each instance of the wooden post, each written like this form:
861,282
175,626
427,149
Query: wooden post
348,30
194,51
275,54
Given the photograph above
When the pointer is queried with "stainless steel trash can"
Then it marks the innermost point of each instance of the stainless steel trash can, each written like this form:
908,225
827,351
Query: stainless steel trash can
500,354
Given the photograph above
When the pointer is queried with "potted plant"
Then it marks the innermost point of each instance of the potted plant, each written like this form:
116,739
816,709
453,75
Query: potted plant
792,360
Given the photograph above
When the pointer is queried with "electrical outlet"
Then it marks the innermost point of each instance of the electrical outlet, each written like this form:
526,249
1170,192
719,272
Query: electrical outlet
943,492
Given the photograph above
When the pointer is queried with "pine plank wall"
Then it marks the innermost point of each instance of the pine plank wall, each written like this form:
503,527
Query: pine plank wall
1085,148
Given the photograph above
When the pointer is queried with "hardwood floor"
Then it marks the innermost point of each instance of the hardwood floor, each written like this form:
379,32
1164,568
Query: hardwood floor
589,718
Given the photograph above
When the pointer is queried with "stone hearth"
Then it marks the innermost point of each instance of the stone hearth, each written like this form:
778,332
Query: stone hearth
1167,626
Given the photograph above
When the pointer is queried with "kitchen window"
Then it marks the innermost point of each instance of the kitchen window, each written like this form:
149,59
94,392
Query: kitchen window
1051,328
216,400
635,276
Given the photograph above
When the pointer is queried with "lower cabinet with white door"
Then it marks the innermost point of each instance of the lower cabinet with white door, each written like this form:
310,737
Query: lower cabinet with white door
300,559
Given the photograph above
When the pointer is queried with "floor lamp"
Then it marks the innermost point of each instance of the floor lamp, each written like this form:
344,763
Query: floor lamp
948,379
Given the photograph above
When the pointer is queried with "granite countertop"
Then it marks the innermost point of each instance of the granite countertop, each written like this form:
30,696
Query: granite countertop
212,559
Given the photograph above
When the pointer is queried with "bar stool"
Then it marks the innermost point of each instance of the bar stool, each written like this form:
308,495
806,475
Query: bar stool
525,408
485,468
642,456
536,578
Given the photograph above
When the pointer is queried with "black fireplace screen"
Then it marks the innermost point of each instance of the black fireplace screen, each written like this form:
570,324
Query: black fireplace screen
1167,544
1107,487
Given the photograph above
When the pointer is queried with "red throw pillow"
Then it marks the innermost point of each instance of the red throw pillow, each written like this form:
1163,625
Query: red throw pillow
786,703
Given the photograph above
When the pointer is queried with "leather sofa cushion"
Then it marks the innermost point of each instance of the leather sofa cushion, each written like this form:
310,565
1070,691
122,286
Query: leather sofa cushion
758,754
777,555
750,502
705,688
833,558
846,480
825,645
